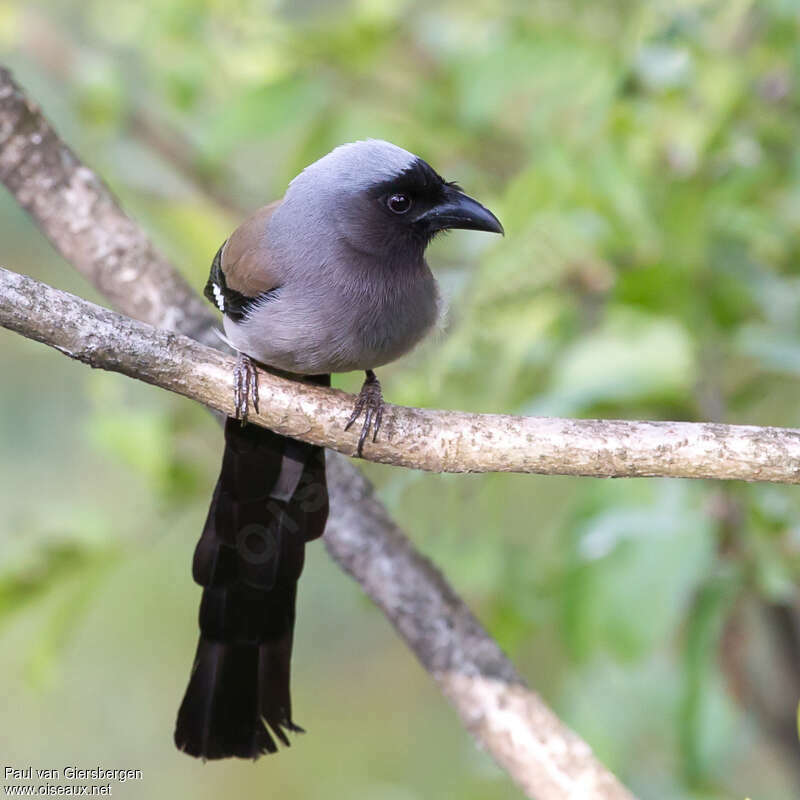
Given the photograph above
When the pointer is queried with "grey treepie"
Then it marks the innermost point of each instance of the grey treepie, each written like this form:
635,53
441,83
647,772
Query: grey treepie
332,278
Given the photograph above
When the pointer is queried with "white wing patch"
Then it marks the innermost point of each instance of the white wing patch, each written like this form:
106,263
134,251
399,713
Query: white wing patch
218,297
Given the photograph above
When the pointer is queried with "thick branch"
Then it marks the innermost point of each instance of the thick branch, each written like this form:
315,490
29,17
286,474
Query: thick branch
524,736
540,754
440,441
81,218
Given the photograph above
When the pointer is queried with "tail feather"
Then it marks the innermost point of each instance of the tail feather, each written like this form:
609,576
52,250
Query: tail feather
219,715
270,499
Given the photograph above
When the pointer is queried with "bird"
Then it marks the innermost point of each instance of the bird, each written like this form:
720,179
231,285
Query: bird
330,278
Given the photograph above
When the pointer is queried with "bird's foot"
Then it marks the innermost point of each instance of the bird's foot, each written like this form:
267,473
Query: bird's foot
370,398
245,387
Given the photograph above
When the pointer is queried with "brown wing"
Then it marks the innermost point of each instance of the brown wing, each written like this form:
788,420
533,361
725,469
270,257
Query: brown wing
245,260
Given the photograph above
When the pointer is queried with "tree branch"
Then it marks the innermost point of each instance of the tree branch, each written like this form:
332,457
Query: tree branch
439,441
81,218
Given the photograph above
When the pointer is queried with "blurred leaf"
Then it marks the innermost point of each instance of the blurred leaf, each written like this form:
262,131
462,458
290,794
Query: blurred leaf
705,712
262,111
661,66
44,659
42,572
144,440
67,569
636,558
632,357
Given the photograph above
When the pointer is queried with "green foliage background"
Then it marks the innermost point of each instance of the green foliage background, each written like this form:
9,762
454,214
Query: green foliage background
643,158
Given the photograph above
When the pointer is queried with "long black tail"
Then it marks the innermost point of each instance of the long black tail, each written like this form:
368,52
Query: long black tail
271,498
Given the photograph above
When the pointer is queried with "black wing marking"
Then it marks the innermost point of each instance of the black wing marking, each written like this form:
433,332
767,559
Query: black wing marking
230,302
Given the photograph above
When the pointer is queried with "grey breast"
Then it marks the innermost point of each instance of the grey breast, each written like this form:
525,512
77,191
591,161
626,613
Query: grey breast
317,323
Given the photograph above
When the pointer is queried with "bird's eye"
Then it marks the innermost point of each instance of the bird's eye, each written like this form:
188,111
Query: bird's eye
398,203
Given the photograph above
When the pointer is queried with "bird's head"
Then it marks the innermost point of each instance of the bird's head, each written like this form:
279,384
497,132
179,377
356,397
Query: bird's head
383,200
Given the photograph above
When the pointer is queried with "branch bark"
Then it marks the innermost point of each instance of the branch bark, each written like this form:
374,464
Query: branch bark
439,441
82,219
79,215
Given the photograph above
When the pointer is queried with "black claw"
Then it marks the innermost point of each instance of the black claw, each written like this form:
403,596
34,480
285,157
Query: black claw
365,430
357,409
254,391
371,398
245,387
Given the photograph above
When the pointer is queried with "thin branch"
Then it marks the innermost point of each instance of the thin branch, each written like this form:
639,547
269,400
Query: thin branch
540,753
544,757
439,441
